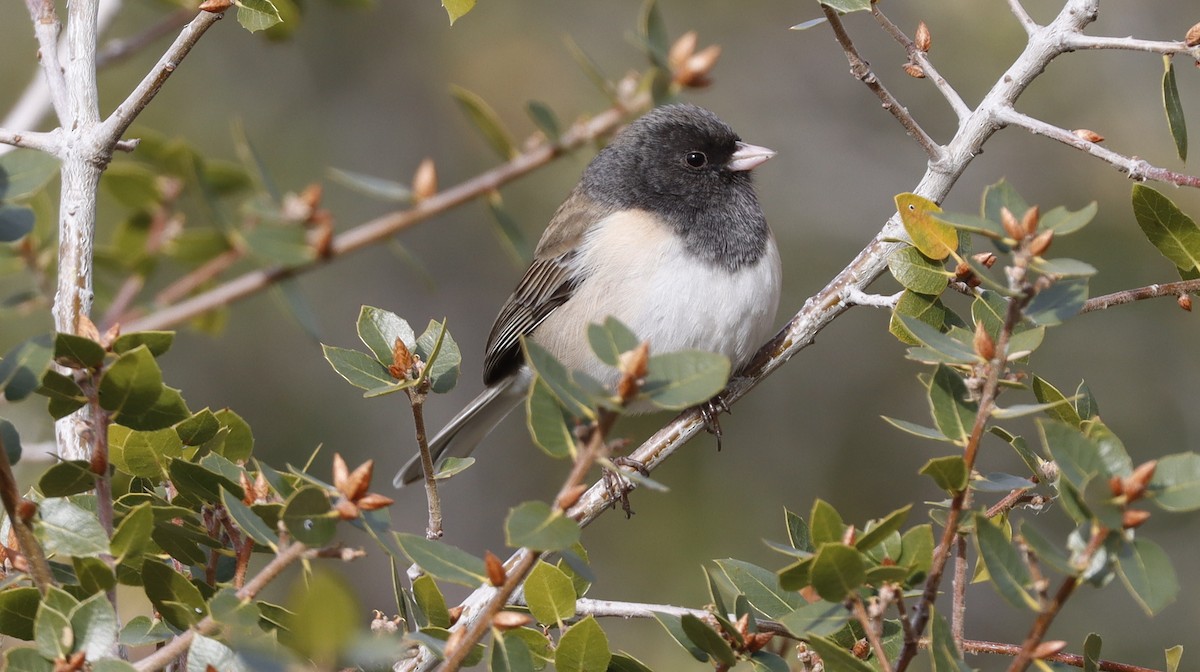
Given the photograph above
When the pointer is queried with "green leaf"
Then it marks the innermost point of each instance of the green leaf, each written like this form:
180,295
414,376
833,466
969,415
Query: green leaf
623,662
1166,226
949,402
799,535
167,410
239,442
1147,572
836,658
1063,268
141,631
94,575
674,626
915,429
131,539
818,618
847,6
536,526
1046,551
611,339
916,272
67,478
195,481
761,587
143,454
23,172
131,384
77,351
256,15
1174,656
935,239
198,429
925,307
1175,485
133,184
1063,221
52,632
431,602
177,600
248,521
206,654
1060,410
1174,108
837,570
1091,652
457,8
22,367
308,517
707,640
1059,301
326,615
379,330
550,594
65,395
443,561
557,378
359,369
826,524
441,355
484,118
889,525
67,528
953,349
369,185
1002,195
16,221
17,608
95,625
284,244
548,424
946,656
510,654
1004,565
158,342
916,548
545,119
582,648
1078,457
679,380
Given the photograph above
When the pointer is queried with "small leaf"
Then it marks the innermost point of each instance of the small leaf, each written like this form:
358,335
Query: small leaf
379,330
935,239
950,472
22,368
131,384
359,369
674,626
545,119
131,539
946,656
819,618
256,15
1078,458
1061,300
836,657
429,599
369,185
1063,221
916,272
179,602
837,571
847,6
283,244
1046,551
972,224
1091,652
825,523
94,622
761,587
1174,656
557,378
550,595
582,648
548,424
143,454
935,340
457,8
67,478
158,342
915,429
1147,573
535,525
1063,268
443,561
248,521
1167,227
924,307
484,118
326,615
1004,565
443,360
1175,485
953,412
1059,408
17,608
1002,195
679,380
798,533
611,339
308,517
889,525
67,528
707,640
516,243
916,548
1174,108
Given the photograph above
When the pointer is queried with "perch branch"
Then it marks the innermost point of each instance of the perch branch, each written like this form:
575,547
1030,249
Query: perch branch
1150,292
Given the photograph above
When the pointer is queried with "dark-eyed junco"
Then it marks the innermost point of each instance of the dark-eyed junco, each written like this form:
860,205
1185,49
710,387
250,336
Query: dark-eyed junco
663,232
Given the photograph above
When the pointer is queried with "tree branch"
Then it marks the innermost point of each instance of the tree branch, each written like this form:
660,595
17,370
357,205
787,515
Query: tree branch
1176,289
915,55
977,646
49,143
1081,41
46,27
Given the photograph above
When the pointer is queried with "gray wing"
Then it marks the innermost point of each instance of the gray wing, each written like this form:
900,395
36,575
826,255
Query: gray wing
547,284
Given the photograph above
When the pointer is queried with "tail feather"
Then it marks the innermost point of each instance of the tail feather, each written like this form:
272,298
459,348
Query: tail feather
467,429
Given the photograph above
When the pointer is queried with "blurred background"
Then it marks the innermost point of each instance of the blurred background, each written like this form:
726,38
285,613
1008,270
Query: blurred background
366,90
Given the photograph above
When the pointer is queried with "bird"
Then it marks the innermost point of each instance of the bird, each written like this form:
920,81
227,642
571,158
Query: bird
665,233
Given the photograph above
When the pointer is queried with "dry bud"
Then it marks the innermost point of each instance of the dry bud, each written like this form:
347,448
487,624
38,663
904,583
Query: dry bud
913,70
987,259
757,640
311,196
373,501
861,649
1185,302
321,235
567,499
694,72
1089,135
346,509
1192,38
1116,486
355,485
985,347
682,49
425,182
1134,486
111,336
402,361
215,6
87,328
455,614
495,569
848,535
1029,221
511,620
1134,518
26,510
340,471
1049,648
1011,226
1041,242
923,39
965,274
632,365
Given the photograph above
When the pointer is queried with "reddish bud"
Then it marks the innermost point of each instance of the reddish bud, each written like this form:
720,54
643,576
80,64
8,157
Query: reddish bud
1029,221
694,72
913,70
1011,226
1041,242
87,328
373,501
985,347
1049,648
987,259
402,361
425,182
1134,487
1185,302
1116,487
1134,518
682,49
215,6
632,366
861,649
455,614
1192,38
1088,135
511,620
495,569
26,510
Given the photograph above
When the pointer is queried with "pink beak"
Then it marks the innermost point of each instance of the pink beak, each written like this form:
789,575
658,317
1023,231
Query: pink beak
748,156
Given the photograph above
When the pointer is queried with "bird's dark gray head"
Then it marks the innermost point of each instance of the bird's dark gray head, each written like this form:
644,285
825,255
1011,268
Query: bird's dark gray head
684,164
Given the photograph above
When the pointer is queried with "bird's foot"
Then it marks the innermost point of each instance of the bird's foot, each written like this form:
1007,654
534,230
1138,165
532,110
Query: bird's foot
710,412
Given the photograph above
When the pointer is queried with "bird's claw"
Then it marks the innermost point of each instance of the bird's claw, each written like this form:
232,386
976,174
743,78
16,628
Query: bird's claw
710,412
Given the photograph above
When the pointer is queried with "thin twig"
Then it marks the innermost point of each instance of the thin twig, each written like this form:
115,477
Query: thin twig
433,529
46,27
207,625
978,646
1149,292
1081,41
862,72
915,55
1023,17
39,568
49,143
383,228
1136,169
1010,501
120,48
869,627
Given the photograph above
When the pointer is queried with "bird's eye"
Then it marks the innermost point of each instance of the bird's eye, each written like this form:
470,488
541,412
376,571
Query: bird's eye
696,159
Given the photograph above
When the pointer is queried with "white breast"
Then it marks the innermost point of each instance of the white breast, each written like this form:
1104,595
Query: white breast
640,272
